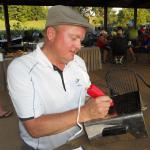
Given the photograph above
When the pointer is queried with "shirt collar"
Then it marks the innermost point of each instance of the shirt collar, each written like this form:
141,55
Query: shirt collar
41,57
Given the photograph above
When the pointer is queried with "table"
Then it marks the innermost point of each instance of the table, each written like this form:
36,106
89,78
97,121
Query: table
15,47
14,41
92,58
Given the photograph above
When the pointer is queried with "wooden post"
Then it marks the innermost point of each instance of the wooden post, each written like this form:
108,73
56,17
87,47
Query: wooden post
7,25
105,18
135,18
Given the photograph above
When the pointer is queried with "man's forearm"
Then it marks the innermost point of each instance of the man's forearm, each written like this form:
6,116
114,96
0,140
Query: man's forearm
53,124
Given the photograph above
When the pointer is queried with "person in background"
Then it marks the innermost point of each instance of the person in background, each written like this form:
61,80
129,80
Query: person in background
119,46
145,44
49,85
102,43
132,41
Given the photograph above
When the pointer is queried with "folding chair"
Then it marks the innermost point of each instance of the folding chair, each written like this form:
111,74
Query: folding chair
124,81
121,80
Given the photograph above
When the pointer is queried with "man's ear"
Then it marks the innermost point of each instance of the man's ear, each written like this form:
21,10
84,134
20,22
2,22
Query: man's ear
50,33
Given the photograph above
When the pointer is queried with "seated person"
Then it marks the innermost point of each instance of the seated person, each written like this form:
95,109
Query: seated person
145,45
119,46
132,41
131,50
133,36
102,43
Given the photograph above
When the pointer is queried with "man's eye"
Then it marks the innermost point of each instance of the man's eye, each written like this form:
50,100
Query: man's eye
73,38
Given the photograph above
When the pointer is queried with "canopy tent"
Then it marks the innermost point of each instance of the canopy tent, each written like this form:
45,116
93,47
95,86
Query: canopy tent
95,3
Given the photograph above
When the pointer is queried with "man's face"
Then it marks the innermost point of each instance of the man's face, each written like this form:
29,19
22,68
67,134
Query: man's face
67,42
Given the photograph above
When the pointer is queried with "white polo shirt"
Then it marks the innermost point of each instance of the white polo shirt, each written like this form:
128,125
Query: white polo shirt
36,89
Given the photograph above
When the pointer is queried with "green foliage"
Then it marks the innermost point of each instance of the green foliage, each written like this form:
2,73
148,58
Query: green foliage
95,16
98,15
143,16
27,17
1,13
2,25
112,18
124,16
25,13
35,24
15,13
16,25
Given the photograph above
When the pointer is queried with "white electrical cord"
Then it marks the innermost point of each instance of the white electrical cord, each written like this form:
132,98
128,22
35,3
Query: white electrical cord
78,117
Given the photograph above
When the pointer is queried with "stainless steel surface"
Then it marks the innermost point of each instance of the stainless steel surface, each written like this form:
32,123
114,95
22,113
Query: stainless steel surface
134,124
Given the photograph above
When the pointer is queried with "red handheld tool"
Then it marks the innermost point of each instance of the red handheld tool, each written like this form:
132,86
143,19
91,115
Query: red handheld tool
94,92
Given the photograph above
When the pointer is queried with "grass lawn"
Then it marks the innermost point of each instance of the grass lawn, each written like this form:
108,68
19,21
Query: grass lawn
24,25
40,24
2,25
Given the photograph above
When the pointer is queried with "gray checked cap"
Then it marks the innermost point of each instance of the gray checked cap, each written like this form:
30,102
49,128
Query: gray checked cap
63,15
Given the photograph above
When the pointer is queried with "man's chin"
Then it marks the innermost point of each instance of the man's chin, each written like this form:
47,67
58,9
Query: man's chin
70,59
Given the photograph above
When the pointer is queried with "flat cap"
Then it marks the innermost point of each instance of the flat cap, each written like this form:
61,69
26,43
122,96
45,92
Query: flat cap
64,15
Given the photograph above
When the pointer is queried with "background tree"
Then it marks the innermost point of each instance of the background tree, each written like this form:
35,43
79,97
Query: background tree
93,14
36,13
24,13
124,16
1,13
19,14
143,17
112,18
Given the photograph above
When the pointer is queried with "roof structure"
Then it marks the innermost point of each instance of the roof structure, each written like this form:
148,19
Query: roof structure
94,3
98,3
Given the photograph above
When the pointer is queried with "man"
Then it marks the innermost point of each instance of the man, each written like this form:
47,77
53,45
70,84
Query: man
47,84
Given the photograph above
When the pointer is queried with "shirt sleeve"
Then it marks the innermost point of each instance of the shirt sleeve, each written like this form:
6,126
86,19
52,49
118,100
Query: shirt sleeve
21,89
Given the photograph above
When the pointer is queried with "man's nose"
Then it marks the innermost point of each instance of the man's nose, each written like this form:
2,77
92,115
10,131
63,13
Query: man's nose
78,44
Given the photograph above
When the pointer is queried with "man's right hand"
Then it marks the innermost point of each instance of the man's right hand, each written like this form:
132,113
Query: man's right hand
95,108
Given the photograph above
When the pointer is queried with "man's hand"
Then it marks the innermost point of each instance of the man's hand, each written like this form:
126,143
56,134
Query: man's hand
96,108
